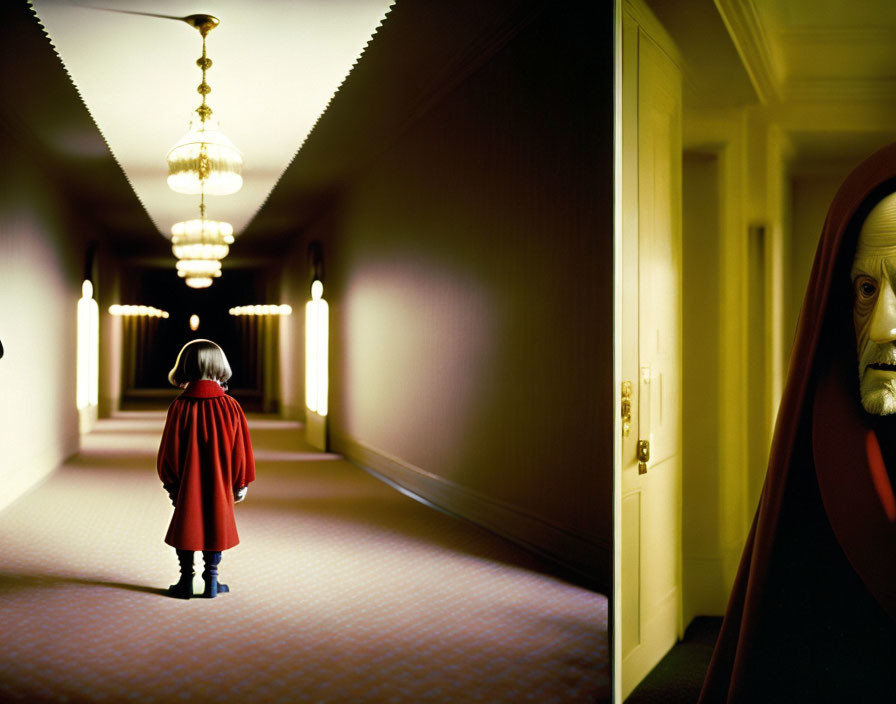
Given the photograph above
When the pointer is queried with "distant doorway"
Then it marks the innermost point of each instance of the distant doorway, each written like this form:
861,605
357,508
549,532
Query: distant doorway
150,345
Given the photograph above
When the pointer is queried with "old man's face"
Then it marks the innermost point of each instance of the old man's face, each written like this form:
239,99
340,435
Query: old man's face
874,308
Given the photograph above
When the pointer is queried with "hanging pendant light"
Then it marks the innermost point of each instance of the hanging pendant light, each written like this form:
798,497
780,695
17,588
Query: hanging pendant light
204,160
199,246
198,281
201,239
198,273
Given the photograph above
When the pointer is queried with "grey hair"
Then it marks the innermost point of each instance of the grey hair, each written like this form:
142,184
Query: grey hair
200,359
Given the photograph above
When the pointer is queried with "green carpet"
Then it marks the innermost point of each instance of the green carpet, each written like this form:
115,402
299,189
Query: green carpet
678,677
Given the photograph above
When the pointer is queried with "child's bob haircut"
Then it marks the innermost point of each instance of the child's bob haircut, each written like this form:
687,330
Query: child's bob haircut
200,359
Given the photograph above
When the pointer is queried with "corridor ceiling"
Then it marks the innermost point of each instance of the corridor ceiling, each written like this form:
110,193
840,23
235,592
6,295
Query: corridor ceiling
830,69
825,71
805,50
422,50
276,66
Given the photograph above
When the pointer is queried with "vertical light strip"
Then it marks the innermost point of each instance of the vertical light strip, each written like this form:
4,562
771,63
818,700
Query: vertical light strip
310,391
323,347
87,393
93,353
83,350
317,332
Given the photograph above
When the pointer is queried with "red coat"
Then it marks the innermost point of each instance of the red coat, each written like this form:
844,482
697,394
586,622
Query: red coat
205,455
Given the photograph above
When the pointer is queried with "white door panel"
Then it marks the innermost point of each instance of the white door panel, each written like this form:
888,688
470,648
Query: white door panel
651,352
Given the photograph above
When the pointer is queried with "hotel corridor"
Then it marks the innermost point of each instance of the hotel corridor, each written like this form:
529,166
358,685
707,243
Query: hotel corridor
343,590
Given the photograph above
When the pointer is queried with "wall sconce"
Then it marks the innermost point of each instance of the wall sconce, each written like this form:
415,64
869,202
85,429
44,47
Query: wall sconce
194,322
317,347
146,311
317,333
88,354
262,310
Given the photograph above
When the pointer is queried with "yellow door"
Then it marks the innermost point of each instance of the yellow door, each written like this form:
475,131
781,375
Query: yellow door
650,290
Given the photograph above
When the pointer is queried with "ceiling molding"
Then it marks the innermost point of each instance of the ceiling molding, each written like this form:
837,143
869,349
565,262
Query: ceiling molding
834,119
755,47
841,90
827,35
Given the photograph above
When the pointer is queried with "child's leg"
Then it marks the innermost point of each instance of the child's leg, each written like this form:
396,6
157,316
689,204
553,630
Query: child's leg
210,574
184,587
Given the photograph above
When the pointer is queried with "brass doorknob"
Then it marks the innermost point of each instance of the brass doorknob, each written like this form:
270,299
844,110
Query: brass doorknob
626,408
643,455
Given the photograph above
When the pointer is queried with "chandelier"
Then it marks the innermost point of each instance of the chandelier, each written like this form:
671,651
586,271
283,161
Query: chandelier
204,160
198,273
199,246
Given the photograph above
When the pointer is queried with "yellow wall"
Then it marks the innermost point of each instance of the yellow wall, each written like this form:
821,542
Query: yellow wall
701,571
738,337
713,476
768,233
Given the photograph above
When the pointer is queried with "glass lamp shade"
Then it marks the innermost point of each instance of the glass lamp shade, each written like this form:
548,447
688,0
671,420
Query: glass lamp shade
201,239
199,250
198,267
198,281
205,160
204,229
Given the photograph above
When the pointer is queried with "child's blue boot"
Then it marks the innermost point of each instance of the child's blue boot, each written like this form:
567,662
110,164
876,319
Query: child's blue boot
210,575
184,587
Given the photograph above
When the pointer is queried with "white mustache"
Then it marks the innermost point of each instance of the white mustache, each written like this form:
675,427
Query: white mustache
874,353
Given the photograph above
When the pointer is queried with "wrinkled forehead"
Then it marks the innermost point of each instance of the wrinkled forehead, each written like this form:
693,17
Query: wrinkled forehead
877,238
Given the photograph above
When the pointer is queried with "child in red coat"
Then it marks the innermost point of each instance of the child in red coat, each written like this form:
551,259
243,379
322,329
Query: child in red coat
205,463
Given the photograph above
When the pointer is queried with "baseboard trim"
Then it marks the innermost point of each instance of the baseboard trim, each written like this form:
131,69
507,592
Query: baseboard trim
586,561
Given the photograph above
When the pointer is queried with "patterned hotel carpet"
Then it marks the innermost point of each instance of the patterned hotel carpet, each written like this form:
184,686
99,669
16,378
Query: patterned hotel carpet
343,590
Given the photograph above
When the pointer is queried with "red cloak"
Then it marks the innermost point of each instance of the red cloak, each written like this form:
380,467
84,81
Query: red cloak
811,615
205,455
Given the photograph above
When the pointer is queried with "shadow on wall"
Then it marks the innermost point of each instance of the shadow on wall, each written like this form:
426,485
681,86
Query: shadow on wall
470,286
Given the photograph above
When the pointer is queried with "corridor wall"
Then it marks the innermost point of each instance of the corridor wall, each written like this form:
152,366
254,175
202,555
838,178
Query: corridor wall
726,453
41,267
812,193
294,291
469,274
